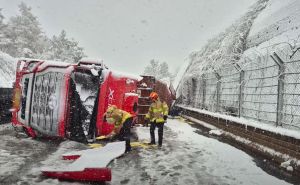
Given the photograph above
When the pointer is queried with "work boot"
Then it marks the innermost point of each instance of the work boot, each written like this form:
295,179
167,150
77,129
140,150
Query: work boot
151,143
127,150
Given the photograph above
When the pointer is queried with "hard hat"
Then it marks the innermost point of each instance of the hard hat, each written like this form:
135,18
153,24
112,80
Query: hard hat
154,96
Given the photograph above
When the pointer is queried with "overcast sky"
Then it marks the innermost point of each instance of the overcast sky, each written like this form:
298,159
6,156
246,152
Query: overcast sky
127,34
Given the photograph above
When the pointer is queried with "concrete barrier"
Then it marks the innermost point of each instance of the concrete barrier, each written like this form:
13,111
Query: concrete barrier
5,104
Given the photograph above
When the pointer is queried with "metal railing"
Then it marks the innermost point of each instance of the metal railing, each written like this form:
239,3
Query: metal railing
265,88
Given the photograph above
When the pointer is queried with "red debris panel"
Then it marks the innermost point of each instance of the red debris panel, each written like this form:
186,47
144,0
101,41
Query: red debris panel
88,174
89,165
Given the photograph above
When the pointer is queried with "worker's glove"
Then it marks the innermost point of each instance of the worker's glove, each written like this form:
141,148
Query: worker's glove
165,117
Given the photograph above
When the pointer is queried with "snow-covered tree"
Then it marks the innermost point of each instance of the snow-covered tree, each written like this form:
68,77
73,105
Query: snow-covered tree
152,68
157,69
4,40
25,33
164,70
22,36
224,49
62,48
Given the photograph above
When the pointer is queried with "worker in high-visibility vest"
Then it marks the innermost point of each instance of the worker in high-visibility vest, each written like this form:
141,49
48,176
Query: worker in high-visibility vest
122,121
157,115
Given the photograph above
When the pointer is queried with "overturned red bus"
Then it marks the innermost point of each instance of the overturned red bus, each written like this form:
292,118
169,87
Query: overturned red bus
57,99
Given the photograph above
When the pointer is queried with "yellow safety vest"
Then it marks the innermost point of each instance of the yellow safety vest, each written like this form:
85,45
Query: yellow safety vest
120,116
157,111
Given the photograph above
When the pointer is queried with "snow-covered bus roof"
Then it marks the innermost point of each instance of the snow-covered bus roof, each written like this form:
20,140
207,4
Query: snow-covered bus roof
126,75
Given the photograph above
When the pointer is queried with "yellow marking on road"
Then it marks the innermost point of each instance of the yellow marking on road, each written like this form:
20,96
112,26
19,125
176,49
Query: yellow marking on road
141,145
95,145
101,137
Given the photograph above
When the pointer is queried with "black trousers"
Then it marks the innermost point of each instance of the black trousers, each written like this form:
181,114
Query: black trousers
160,127
125,133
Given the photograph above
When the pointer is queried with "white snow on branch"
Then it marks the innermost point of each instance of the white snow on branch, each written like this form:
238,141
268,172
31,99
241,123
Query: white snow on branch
7,70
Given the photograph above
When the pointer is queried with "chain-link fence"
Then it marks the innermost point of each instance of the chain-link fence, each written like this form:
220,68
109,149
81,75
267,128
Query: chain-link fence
262,86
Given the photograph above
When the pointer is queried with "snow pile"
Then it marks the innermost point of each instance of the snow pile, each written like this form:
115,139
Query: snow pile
7,70
287,165
215,132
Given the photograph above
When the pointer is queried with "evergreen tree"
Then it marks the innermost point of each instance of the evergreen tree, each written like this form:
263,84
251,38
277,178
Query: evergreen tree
152,69
158,70
62,48
22,36
164,71
4,40
25,34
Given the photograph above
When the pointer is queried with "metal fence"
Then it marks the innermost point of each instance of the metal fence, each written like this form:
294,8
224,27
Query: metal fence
263,86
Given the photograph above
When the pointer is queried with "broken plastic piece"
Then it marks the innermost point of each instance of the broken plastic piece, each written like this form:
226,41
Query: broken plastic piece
91,164
88,174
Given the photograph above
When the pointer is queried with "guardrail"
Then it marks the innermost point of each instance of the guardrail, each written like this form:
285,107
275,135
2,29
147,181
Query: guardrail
5,104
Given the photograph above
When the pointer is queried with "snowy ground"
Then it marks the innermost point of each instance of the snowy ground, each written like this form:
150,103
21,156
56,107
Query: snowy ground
186,157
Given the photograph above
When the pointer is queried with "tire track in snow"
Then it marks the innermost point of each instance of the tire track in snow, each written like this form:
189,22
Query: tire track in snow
19,155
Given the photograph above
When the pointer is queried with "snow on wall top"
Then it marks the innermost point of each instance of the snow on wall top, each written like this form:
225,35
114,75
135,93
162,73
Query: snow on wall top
277,18
247,122
7,70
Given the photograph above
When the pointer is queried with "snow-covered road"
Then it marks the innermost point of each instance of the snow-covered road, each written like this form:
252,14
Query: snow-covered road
189,158
186,157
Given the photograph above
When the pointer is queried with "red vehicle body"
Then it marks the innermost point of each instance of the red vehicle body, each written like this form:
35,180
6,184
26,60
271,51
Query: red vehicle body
57,99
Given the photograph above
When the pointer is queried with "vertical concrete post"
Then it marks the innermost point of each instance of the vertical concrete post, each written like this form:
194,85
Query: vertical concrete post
218,91
203,91
280,91
241,88
241,91
194,96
